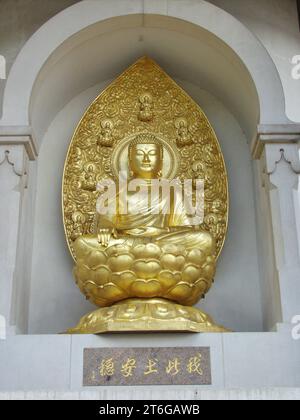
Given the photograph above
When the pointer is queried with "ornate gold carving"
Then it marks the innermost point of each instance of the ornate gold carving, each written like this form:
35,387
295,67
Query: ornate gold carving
140,315
118,103
124,257
125,271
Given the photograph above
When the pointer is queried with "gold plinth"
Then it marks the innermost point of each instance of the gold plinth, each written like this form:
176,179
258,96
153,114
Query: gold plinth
146,315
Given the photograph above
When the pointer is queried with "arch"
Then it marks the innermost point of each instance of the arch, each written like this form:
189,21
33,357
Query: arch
260,91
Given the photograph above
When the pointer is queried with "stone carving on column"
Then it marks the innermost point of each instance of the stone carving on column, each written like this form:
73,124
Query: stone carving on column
283,169
8,155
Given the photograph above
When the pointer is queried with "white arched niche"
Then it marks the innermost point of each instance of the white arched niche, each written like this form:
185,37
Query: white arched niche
235,298
65,65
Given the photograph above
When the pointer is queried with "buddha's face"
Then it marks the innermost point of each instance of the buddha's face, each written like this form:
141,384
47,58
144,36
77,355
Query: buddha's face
146,160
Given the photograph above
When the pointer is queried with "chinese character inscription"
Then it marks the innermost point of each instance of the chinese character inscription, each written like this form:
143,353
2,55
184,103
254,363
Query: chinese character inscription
142,366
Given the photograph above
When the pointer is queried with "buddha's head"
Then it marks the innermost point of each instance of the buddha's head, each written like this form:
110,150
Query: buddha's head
146,157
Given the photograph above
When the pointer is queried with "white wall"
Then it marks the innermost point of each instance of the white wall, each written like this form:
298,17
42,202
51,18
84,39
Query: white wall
57,304
262,394
275,23
239,361
19,20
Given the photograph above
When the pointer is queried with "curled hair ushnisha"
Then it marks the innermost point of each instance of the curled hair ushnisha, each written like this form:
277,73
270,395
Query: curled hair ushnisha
145,139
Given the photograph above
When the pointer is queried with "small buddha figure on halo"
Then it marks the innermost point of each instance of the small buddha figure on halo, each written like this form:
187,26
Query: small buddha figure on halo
105,139
183,135
146,108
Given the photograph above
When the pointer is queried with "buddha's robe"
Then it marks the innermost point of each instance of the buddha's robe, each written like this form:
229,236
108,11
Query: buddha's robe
161,222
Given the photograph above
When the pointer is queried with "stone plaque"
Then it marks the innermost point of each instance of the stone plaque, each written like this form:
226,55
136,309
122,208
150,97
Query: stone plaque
147,366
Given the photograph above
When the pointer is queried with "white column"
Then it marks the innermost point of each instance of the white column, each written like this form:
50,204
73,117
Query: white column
297,203
283,169
14,163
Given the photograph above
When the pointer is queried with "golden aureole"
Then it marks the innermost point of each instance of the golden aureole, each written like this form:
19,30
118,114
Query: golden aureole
144,268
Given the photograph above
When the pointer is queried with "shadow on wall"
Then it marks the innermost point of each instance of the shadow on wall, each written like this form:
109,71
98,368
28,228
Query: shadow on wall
18,22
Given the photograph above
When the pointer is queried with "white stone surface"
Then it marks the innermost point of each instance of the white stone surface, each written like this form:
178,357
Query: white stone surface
21,293
159,7
56,303
297,204
276,25
274,394
18,21
239,49
277,184
239,361
270,291
283,168
35,363
13,169
266,360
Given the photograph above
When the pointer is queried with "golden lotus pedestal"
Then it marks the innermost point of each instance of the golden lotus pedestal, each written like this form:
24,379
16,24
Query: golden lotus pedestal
146,315
147,287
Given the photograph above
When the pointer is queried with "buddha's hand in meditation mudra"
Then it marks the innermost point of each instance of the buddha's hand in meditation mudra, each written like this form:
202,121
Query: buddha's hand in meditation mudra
144,253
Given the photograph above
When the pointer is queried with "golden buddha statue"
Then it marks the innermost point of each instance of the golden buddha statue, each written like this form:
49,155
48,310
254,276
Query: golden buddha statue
144,261
145,252
142,223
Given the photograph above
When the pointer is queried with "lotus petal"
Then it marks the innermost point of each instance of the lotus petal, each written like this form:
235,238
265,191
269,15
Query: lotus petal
168,279
120,263
191,273
197,257
146,288
124,280
146,269
172,262
102,276
147,251
95,259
